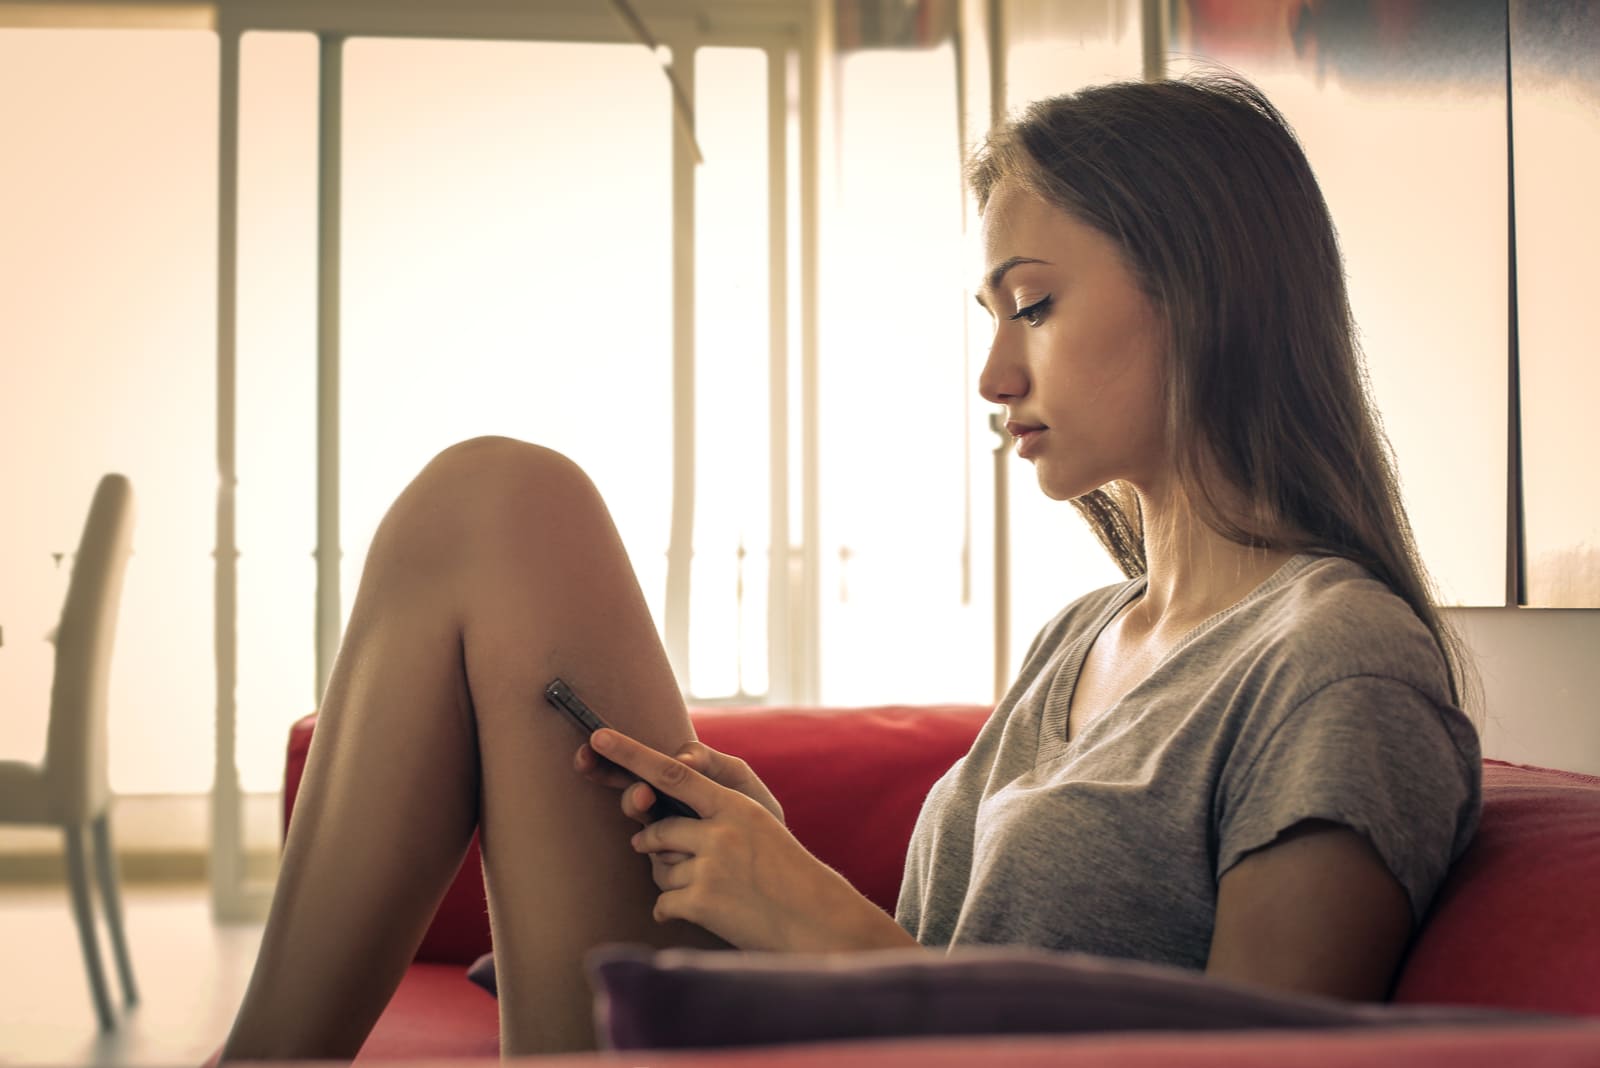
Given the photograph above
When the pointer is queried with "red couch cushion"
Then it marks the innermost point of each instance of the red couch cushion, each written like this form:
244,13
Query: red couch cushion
1565,1047
851,782
435,1013
1517,924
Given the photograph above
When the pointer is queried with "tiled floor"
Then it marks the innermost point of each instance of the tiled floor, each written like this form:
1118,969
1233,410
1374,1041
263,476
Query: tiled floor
191,975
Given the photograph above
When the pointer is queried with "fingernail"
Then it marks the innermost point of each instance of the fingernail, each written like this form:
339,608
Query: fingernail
634,841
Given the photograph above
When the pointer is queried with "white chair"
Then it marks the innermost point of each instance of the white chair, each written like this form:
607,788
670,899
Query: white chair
72,789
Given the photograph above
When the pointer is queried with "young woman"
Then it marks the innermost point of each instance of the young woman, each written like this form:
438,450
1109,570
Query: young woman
1248,758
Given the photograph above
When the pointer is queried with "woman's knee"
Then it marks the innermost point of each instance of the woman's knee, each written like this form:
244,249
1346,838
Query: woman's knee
453,509
489,496
482,478
513,489
500,467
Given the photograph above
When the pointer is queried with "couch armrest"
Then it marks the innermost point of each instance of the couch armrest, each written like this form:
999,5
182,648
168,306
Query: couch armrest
1517,924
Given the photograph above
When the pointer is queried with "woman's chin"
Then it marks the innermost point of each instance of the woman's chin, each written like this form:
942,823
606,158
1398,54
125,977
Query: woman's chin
1055,495
1062,489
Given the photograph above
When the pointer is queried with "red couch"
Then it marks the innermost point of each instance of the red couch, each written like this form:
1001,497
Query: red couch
1516,926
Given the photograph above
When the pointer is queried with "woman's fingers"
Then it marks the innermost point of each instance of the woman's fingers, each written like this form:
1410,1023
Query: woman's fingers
660,862
596,768
668,775
637,801
720,768
672,836
701,758
731,772
675,876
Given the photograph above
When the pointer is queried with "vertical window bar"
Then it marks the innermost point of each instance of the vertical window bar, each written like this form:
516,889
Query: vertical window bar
1153,26
226,830
330,111
1002,559
807,673
779,658
1002,496
675,625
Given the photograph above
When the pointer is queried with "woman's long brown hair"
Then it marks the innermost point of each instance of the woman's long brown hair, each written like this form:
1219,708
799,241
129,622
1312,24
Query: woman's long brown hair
1207,191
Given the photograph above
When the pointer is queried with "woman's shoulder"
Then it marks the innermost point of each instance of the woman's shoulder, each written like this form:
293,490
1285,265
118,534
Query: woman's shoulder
1335,619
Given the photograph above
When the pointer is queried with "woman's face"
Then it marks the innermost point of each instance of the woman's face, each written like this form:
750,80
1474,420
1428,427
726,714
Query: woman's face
1076,356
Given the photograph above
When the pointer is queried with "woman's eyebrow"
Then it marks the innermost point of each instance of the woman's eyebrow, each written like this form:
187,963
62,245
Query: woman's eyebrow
997,273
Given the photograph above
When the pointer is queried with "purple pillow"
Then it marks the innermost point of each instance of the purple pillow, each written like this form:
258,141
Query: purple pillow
482,973
705,998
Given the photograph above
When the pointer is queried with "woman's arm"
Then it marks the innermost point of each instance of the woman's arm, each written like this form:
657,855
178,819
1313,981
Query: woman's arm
1315,912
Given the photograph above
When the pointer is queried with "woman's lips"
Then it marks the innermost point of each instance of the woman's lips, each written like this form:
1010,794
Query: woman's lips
1027,435
1028,441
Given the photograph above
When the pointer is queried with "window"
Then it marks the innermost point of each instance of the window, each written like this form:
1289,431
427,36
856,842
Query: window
507,262
507,270
905,498
733,543
1051,49
276,397
107,324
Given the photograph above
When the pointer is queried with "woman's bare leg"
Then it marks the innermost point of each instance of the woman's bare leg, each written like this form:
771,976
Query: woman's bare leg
496,570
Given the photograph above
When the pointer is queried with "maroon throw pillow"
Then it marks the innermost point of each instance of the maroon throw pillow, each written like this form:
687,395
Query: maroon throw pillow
482,973
700,999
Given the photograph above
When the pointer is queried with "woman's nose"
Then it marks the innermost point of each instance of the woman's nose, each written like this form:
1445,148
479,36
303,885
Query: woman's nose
1003,378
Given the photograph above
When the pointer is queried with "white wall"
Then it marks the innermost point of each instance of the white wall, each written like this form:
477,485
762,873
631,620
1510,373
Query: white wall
1541,683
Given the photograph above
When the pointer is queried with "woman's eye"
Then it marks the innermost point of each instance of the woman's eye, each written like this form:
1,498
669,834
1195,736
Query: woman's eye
1033,313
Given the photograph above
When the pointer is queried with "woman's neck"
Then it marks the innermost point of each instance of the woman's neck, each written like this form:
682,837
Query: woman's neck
1193,572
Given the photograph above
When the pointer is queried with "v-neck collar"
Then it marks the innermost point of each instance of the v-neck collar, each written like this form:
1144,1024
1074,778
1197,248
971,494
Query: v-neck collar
1053,721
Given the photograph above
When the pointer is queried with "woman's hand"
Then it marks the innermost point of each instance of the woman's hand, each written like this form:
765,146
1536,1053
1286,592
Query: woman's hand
737,871
720,768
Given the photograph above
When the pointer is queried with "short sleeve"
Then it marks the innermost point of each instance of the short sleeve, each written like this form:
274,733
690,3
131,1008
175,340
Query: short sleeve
1373,754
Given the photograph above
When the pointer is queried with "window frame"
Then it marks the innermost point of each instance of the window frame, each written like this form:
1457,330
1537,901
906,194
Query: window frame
675,26
786,30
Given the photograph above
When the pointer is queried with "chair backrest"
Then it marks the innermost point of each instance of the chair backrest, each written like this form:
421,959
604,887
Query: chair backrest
75,762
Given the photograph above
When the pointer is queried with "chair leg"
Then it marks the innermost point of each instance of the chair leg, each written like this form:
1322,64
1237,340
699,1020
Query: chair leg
78,877
105,862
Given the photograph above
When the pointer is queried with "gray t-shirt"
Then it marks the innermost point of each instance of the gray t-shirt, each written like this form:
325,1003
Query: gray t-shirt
1320,695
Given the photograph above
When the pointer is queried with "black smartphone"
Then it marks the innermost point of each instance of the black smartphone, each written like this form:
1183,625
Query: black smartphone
560,694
